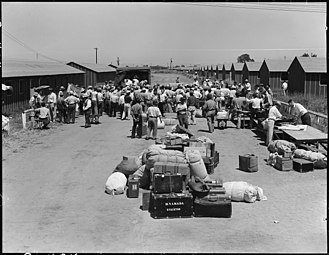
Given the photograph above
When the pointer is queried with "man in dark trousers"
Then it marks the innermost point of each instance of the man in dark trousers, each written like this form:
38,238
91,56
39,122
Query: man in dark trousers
87,110
71,102
136,113
210,108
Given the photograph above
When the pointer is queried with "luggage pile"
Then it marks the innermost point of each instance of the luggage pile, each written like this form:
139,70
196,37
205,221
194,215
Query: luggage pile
284,156
171,174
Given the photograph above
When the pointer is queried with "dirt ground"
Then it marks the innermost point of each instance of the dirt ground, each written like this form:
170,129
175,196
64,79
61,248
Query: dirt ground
54,200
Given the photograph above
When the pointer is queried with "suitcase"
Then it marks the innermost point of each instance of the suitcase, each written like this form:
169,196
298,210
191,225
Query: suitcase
201,149
216,158
287,154
213,205
173,205
209,162
210,147
173,140
216,187
168,183
177,147
283,164
302,165
248,163
173,168
146,200
133,187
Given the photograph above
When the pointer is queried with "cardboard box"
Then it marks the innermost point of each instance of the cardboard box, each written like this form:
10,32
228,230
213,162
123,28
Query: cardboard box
202,150
210,147
283,164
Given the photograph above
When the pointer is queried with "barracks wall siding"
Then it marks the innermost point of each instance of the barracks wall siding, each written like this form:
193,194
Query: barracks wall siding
22,86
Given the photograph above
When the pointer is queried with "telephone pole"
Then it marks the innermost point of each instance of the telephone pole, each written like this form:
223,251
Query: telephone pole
96,54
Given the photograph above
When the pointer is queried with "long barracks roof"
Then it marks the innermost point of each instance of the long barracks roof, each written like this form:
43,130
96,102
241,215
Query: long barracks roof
253,66
313,64
135,68
98,68
21,68
238,66
277,65
227,66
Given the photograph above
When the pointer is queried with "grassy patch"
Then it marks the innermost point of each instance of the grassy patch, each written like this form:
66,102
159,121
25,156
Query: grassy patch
312,103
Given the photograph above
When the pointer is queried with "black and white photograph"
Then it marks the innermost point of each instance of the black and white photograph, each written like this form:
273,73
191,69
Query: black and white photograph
164,127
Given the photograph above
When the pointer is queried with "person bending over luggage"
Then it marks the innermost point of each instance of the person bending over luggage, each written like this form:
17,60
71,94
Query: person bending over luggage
153,113
210,108
44,115
136,114
299,111
181,110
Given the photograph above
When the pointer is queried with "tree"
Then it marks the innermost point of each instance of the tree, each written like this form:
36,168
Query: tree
244,58
305,55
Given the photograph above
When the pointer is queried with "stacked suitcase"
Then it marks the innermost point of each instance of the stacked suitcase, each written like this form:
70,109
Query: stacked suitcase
169,197
216,203
209,155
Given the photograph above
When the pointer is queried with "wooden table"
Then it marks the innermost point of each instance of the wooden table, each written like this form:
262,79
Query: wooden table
310,136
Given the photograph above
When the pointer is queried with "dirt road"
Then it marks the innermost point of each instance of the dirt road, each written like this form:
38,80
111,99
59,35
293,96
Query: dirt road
54,200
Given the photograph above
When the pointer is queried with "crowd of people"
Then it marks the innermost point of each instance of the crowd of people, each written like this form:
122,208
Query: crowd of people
133,98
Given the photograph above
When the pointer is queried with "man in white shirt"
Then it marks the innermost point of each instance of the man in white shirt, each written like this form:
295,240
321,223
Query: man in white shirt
44,115
284,88
247,85
299,111
273,115
52,99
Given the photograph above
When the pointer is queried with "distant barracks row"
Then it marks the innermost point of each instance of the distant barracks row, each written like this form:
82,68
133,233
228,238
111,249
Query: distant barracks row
304,74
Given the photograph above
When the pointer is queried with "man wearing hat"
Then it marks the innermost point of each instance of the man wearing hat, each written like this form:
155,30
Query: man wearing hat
61,91
210,109
273,115
87,109
71,102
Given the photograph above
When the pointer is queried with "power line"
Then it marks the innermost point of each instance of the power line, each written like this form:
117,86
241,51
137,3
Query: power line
15,39
295,8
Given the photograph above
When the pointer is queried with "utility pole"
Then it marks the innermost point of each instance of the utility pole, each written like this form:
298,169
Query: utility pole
118,61
96,54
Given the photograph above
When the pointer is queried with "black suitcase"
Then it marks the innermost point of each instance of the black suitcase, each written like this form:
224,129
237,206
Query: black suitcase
167,183
209,162
302,165
173,205
213,205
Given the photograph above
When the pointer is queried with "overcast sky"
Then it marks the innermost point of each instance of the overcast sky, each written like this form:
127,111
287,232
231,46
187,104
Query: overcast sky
153,33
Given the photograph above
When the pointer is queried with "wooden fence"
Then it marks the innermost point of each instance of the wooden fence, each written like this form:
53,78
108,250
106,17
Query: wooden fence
318,120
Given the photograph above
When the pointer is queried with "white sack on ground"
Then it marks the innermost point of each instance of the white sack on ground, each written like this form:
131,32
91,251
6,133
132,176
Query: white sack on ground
243,191
308,155
116,183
